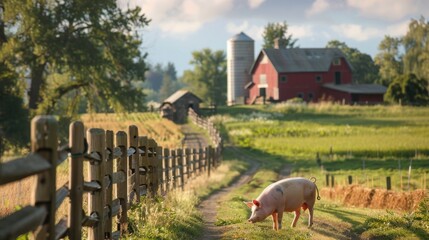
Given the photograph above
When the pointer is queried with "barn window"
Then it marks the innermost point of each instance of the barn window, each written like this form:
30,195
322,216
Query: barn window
337,61
310,97
318,78
262,79
283,78
300,95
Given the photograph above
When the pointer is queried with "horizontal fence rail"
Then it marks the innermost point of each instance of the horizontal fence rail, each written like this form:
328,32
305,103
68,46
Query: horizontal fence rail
134,164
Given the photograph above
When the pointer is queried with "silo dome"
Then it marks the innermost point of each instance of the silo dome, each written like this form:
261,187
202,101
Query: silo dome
240,56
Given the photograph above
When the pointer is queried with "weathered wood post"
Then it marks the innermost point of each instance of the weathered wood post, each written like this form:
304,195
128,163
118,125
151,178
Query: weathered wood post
174,168
327,180
122,188
134,183
109,185
194,162
44,141
159,169
196,156
153,166
181,166
388,183
208,159
77,148
96,199
200,160
143,165
332,181
350,178
188,163
167,178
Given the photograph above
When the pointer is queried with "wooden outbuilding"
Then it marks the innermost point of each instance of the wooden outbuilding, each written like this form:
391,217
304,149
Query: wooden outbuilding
177,105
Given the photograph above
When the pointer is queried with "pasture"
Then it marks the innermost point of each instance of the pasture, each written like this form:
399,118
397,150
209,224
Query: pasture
367,142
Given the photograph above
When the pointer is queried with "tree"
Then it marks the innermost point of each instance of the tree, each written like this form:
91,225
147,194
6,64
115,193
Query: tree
278,31
14,121
408,89
91,46
364,68
416,45
208,78
389,60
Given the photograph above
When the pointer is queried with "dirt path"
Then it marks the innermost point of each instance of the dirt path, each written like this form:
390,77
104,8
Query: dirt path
209,206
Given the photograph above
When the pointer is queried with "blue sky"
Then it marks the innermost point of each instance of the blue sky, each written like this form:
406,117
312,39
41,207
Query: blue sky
179,27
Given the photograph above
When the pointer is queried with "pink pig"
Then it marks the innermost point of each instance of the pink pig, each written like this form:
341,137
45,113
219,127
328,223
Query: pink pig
287,195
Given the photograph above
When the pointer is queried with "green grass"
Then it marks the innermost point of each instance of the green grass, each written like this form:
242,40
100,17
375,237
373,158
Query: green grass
366,142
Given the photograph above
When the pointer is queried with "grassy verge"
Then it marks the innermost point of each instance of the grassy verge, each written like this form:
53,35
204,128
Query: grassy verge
368,143
176,216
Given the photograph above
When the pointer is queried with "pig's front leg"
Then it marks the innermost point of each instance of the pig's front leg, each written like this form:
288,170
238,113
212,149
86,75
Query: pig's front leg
295,219
279,219
275,221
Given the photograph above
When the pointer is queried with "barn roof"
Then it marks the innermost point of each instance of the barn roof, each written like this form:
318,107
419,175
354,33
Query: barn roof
179,94
357,88
301,59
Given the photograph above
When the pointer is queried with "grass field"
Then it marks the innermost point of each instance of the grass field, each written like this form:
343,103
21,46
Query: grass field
367,142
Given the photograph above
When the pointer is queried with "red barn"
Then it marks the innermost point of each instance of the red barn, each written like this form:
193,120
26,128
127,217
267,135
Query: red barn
308,73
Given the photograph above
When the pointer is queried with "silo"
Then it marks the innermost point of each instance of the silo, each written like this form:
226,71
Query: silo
240,56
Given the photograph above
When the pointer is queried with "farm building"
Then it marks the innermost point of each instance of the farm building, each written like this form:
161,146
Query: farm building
176,106
312,74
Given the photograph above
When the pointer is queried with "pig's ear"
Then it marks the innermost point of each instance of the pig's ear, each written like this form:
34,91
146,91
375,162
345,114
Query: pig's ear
256,203
249,204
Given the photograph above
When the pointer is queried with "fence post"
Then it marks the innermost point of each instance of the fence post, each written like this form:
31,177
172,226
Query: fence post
152,166
188,163
181,166
350,180
167,178
109,188
122,188
174,168
96,200
159,169
200,160
143,165
194,162
388,183
44,141
208,159
77,148
327,180
332,180
134,182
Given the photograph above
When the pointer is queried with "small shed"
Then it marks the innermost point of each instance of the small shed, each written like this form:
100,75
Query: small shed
176,106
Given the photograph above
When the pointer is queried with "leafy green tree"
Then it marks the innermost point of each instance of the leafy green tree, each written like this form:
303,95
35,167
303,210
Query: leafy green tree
389,60
14,121
208,78
364,68
278,31
408,89
416,45
92,48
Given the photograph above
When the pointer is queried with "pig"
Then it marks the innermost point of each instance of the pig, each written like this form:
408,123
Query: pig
287,195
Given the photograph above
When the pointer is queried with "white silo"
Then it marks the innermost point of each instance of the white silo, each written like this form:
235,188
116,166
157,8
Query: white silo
240,56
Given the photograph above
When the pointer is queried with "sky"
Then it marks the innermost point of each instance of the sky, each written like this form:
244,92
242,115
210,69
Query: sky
179,27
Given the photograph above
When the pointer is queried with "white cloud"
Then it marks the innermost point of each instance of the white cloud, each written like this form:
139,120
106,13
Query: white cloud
301,31
180,16
318,6
255,3
253,31
356,32
397,30
388,9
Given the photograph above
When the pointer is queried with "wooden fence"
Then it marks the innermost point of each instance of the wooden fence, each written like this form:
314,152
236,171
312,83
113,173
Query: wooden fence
135,164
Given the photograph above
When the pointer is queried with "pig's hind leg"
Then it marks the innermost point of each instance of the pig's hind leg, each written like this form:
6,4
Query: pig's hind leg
310,216
295,219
